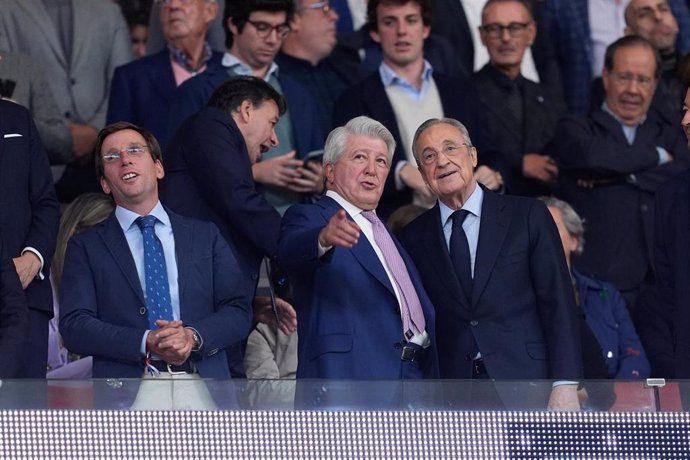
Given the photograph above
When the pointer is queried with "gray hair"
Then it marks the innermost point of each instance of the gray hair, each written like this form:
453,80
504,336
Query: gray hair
439,121
336,143
573,222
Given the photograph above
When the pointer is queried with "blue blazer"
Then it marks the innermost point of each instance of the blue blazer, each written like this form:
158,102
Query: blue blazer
208,176
14,319
369,98
193,95
522,309
104,311
29,211
141,91
608,318
349,321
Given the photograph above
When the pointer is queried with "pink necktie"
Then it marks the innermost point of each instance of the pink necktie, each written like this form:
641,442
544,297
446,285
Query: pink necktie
411,306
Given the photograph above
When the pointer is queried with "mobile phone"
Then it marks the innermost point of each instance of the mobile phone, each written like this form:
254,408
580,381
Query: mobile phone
315,156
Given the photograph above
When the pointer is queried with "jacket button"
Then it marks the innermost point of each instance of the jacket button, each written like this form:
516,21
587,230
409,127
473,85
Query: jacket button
474,323
142,311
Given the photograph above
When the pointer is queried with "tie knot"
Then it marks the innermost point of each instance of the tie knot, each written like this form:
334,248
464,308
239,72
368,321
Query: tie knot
371,216
146,222
459,217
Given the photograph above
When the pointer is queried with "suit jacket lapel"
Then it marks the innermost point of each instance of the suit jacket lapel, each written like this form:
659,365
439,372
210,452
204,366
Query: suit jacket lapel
362,251
116,243
492,231
44,25
434,242
183,232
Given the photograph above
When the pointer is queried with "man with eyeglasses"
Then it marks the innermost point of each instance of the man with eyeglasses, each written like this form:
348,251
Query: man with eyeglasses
405,91
611,163
255,31
521,114
305,55
148,293
140,92
495,271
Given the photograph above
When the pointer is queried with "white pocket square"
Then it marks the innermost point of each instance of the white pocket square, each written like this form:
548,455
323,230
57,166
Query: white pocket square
7,136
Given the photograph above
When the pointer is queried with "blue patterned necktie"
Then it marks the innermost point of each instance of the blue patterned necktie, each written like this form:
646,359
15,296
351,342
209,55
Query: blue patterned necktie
460,253
155,272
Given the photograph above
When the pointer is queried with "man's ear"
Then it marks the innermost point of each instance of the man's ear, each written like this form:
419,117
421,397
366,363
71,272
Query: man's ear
104,185
328,173
244,111
375,36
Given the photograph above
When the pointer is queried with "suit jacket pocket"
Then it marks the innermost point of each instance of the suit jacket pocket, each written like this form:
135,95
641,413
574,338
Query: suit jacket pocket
331,343
536,350
509,259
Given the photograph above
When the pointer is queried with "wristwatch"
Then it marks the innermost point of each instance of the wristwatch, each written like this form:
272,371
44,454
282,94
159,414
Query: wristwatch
196,338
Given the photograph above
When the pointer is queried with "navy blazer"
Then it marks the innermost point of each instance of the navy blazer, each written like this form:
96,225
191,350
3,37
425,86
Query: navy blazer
140,92
29,211
103,311
14,319
208,175
192,96
619,208
666,328
522,309
349,321
369,98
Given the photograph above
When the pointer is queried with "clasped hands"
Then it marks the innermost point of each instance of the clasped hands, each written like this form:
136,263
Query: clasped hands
171,342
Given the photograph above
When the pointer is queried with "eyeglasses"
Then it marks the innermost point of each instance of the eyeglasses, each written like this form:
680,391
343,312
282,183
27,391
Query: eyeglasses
515,29
264,29
430,156
325,7
625,79
114,155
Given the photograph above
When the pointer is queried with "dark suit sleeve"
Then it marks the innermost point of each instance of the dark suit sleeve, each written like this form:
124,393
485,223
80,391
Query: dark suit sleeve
220,166
232,318
589,153
14,320
555,296
120,102
298,250
80,325
45,213
632,363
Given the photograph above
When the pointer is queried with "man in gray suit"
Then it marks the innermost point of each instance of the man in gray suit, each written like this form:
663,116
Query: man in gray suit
79,43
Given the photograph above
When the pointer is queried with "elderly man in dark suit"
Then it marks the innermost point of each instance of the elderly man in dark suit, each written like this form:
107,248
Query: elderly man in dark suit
141,91
521,114
495,271
147,289
611,163
362,311
29,218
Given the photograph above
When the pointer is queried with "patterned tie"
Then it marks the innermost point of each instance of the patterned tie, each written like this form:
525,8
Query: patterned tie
460,252
411,306
157,287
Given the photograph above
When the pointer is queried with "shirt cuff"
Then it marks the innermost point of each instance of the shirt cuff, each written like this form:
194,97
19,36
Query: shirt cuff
664,157
558,383
323,249
142,348
40,274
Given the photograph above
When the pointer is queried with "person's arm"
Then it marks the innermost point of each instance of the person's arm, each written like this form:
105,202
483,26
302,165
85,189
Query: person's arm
632,360
14,320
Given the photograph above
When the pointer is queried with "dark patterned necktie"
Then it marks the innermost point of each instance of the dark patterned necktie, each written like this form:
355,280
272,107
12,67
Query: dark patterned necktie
155,273
460,252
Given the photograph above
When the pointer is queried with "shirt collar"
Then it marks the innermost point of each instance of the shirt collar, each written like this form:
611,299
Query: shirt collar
181,58
473,205
605,107
126,218
240,68
350,208
389,77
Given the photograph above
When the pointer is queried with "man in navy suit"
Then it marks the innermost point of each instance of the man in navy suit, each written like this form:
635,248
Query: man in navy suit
495,271
109,298
404,92
140,91
362,312
29,218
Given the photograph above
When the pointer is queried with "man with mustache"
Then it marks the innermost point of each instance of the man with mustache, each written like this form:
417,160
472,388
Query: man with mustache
611,163
521,114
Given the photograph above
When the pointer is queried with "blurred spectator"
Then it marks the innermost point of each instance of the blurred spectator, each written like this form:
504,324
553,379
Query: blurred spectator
215,35
141,91
79,43
139,33
521,115
403,216
84,212
25,82
610,345
611,163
